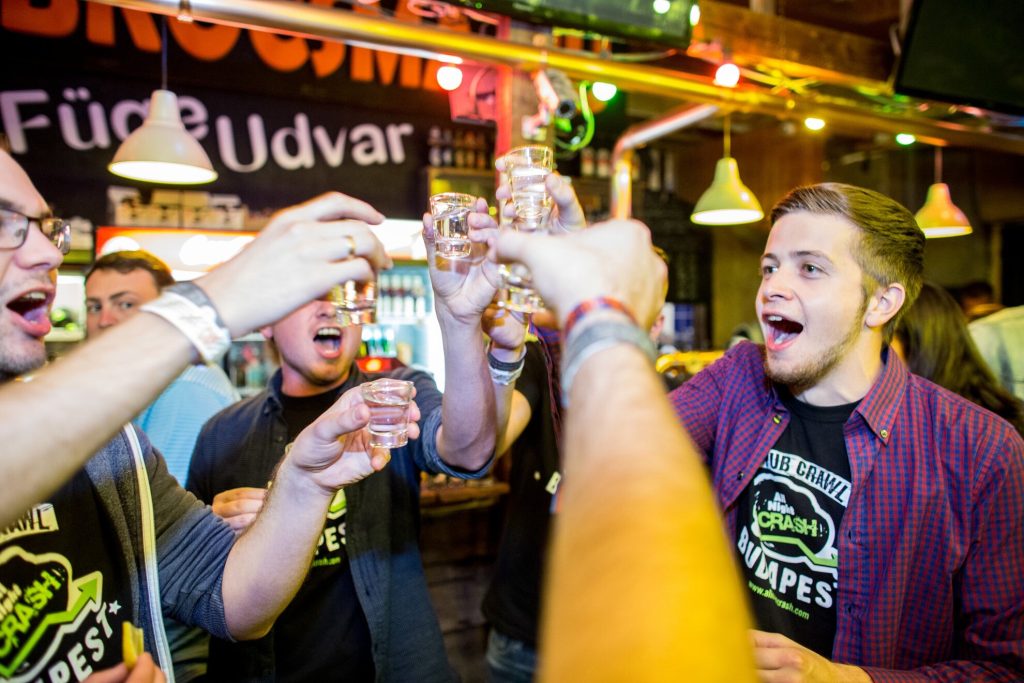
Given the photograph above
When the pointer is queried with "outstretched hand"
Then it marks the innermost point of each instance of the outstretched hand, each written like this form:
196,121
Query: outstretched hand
327,240
781,660
335,450
463,287
566,214
615,259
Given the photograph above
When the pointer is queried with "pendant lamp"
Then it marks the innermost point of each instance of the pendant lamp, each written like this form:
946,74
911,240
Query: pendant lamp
940,217
728,201
161,150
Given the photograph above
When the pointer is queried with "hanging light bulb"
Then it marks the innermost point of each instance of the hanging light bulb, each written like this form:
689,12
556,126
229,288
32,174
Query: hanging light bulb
449,77
161,150
728,201
940,217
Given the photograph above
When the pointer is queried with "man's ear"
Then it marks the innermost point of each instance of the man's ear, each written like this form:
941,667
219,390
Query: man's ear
267,332
885,303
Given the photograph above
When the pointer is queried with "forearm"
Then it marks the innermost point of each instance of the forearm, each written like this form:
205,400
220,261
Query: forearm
269,561
507,429
639,528
114,377
467,436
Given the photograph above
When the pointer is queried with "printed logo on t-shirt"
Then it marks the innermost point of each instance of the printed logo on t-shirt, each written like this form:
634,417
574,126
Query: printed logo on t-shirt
40,519
54,626
789,543
330,547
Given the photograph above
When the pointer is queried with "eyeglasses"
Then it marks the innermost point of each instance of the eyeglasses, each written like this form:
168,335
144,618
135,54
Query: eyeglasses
14,227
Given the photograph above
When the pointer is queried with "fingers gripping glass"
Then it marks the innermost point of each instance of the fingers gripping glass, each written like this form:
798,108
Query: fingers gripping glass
14,227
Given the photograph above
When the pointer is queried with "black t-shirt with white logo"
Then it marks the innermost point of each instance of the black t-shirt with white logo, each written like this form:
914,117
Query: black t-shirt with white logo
788,526
323,635
64,589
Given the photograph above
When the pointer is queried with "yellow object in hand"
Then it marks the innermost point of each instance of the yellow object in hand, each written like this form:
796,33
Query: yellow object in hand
132,643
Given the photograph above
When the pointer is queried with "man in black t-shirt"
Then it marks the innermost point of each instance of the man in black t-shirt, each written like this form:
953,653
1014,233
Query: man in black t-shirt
363,613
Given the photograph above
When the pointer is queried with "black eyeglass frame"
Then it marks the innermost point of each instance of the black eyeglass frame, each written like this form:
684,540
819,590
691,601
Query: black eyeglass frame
13,233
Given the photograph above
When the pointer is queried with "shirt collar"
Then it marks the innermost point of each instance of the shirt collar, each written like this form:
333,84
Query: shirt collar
880,406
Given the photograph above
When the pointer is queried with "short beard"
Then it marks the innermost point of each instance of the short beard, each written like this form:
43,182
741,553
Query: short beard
10,368
801,378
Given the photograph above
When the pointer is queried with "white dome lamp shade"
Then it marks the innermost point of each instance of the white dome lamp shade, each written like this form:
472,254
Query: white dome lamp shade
161,150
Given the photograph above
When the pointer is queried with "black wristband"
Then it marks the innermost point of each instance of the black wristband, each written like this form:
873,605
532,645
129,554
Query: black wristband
503,365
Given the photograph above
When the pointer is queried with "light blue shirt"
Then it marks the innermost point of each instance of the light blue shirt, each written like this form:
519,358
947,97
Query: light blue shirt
172,422
1000,339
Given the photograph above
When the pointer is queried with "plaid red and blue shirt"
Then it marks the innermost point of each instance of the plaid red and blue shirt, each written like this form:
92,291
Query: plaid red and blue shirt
931,548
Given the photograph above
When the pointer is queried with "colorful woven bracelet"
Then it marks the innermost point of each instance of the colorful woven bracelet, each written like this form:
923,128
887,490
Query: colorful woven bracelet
595,304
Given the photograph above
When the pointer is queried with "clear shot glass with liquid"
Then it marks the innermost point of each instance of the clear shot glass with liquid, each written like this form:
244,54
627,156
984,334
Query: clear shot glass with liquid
388,401
450,211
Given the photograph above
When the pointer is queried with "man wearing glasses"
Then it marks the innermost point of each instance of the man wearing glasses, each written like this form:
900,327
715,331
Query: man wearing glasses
94,532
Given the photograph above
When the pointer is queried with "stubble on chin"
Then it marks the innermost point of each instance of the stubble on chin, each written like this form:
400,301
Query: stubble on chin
14,364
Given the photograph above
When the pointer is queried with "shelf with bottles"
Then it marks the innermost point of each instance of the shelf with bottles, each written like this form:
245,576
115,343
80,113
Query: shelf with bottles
403,296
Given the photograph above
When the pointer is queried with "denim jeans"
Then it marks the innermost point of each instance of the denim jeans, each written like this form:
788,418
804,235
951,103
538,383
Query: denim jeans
509,660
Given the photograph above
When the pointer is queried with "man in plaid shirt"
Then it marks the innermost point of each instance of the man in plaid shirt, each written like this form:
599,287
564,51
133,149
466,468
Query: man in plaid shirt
878,518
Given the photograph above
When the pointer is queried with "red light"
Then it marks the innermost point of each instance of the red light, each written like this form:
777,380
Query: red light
374,365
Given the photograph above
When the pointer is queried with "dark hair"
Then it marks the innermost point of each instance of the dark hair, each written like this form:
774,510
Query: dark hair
891,247
938,346
977,289
127,261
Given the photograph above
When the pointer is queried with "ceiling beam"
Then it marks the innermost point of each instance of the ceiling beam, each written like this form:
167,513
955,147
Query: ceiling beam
794,48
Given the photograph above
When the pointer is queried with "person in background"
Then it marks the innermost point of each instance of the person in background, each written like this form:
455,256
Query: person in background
363,612
512,604
933,340
978,299
878,518
640,585
74,474
1000,341
116,285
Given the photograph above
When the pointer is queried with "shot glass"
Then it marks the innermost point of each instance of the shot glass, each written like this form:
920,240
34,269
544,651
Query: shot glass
355,303
450,211
388,401
526,169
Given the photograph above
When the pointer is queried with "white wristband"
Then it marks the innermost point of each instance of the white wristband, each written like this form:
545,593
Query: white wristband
198,323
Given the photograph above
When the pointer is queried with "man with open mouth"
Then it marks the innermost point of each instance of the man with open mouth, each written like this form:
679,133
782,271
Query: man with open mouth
95,534
364,612
878,518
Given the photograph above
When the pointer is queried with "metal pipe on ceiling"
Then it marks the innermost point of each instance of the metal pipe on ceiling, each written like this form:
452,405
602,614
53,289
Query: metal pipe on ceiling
326,23
639,135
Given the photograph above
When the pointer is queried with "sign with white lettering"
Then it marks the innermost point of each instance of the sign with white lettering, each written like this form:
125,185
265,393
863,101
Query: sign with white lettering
282,118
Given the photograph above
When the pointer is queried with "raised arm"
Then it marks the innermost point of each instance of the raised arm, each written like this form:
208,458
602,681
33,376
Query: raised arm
463,288
269,560
641,585
70,409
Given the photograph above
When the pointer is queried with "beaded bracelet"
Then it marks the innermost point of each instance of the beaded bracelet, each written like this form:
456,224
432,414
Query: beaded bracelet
595,304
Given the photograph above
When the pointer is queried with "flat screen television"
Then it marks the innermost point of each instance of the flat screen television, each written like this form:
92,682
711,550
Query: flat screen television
965,52
630,19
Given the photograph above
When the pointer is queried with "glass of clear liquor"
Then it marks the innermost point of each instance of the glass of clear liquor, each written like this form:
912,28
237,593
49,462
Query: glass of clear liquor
526,169
355,303
388,401
450,211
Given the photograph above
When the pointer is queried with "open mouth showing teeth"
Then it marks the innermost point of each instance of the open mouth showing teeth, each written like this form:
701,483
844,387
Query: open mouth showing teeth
31,306
329,337
781,331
